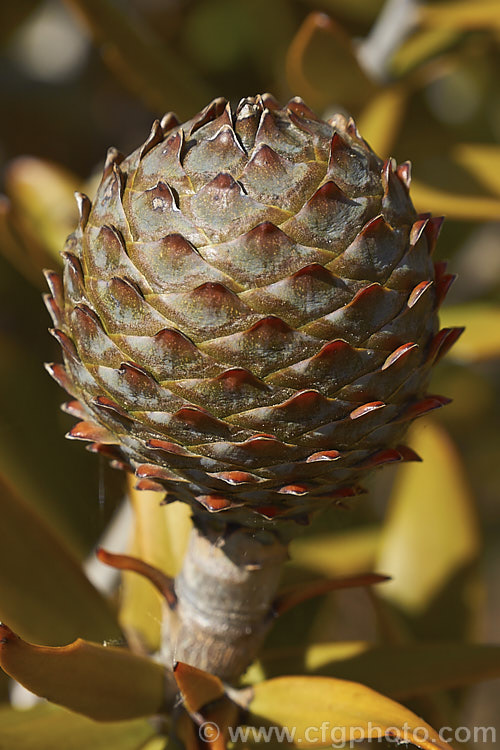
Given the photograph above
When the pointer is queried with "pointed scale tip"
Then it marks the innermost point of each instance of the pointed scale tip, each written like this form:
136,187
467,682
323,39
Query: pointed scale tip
84,207
155,137
419,408
403,171
169,121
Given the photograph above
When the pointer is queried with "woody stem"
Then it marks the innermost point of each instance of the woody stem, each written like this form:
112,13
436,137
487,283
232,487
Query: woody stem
224,600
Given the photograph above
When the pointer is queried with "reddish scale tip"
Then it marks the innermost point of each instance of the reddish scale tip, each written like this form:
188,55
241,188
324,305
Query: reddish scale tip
332,349
236,477
58,372
167,447
151,471
237,377
399,354
442,342
387,456
214,503
361,411
109,451
268,325
269,511
149,486
199,418
65,342
375,227
422,407
104,402
369,294
432,230
418,292
295,489
327,193
265,230
75,409
315,271
407,453
91,432
324,456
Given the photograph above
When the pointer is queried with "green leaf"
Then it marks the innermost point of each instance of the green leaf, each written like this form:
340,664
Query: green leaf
415,669
46,727
323,710
104,683
44,593
430,538
146,66
481,339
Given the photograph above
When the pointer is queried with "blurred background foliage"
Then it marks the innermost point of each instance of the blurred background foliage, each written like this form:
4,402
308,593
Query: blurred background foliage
421,79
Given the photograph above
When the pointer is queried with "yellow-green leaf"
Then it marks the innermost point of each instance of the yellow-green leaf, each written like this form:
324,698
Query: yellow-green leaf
322,67
155,743
140,607
461,14
421,47
416,669
43,196
162,530
431,533
140,613
482,160
44,594
47,727
160,539
381,117
481,338
339,554
104,683
29,258
354,10
322,710
454,205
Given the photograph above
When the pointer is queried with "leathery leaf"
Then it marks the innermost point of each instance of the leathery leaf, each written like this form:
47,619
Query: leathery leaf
319,711
104,683
44,594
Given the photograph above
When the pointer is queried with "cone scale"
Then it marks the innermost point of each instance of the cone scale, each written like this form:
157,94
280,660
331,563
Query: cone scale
248,317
